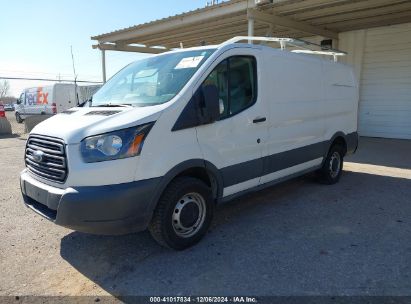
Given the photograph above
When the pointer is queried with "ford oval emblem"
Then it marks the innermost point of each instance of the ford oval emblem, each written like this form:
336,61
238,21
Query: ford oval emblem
38,156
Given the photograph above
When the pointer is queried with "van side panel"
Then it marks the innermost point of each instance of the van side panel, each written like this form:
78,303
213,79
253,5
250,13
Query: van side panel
341,99
296,102
48,99
296,108
36,101
39,100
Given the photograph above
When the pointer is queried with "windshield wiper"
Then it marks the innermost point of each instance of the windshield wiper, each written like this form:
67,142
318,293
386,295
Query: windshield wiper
147,104
89,101
113,105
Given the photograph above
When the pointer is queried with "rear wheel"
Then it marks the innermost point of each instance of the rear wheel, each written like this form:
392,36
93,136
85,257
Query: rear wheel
331,170
18,118
183,214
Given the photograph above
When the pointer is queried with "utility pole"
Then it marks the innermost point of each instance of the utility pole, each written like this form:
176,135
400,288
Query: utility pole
103,64
75,75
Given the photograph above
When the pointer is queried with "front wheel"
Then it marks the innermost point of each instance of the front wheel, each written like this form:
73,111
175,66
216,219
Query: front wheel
18,118
331,170
183,214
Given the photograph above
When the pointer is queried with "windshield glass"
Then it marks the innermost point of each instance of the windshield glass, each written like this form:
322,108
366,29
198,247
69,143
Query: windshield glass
151,81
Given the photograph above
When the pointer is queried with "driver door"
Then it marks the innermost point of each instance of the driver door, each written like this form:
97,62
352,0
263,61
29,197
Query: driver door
233,143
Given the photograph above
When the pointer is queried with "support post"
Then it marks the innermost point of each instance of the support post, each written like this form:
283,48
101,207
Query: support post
103,64
250,28
270,30
335,44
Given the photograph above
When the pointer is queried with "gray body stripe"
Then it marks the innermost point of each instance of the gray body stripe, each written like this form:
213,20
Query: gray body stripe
242,172
268,184
290,158
245,171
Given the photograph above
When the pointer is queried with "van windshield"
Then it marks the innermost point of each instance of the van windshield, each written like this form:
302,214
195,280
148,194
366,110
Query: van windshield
151,81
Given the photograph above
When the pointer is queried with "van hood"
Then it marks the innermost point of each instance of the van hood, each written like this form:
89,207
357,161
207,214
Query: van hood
75,124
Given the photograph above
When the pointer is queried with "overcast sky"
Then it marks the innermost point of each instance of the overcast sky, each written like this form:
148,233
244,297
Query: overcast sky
36,35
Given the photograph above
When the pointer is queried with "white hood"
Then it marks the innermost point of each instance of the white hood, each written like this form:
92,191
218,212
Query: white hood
74,126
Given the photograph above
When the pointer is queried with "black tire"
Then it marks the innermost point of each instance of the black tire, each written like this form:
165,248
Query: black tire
332,168
163,226
18,118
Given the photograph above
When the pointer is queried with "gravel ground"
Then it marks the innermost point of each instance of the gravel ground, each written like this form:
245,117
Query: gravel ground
297,238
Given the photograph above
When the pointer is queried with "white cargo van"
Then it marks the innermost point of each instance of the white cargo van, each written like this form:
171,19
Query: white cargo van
51,99
170,136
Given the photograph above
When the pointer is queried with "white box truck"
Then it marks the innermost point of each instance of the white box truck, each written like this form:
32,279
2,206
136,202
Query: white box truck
170,136
51,99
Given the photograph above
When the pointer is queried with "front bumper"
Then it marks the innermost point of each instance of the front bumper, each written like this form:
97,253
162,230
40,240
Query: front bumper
110,210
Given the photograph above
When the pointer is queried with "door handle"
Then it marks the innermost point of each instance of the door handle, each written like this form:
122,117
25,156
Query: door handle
260,119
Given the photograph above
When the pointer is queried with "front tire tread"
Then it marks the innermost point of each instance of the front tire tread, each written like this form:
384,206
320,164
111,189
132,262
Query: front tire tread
158,226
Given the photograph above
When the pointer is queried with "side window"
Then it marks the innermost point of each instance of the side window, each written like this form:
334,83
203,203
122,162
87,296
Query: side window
236,81
21,99
242,80
219,78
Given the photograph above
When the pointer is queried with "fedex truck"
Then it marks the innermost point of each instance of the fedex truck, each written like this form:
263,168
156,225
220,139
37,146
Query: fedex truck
51,99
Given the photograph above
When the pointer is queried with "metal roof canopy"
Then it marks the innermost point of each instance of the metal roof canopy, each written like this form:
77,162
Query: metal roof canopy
281,18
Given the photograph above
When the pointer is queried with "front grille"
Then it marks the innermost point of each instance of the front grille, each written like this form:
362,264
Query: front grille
52,164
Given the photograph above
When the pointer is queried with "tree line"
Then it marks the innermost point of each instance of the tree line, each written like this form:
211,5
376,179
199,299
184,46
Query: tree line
4,92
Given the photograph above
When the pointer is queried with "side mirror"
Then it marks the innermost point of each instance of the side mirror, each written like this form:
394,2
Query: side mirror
18,101
211,103
203,108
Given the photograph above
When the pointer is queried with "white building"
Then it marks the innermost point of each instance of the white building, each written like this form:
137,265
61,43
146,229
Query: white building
375,33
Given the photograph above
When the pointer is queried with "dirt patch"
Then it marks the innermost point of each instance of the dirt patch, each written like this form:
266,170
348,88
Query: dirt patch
16,128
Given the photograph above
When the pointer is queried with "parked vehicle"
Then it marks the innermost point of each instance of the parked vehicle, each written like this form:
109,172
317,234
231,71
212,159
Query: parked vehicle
86,92
51,99
2,113
170,136
8,107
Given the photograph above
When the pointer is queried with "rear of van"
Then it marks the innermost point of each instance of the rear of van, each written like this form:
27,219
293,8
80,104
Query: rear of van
64,97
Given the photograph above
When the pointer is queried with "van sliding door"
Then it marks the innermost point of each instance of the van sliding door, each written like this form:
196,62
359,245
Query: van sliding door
296,126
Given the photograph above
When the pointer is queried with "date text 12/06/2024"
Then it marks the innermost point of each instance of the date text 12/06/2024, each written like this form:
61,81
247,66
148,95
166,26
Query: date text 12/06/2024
239,299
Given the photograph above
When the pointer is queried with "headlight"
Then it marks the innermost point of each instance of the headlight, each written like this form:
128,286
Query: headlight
115,145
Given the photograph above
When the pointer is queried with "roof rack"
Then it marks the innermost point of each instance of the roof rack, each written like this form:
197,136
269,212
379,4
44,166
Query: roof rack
304,46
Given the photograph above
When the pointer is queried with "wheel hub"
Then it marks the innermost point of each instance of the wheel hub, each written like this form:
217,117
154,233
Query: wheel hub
335,164
188,215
